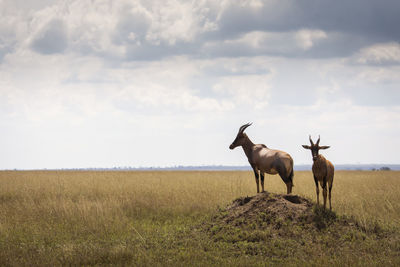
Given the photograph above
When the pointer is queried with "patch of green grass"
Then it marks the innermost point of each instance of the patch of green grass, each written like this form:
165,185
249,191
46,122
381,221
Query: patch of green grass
183,241
329,239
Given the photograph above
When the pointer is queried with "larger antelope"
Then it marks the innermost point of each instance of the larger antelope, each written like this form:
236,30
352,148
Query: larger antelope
265,160
322,169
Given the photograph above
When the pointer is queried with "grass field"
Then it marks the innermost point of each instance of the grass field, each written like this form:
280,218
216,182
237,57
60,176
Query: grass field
153,219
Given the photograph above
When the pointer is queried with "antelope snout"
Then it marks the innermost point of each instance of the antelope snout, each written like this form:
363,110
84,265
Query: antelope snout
231,146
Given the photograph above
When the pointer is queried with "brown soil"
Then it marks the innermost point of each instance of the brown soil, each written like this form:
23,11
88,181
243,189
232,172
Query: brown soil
274,206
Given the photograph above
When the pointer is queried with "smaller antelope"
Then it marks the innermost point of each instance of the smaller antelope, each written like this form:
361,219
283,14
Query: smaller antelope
323,170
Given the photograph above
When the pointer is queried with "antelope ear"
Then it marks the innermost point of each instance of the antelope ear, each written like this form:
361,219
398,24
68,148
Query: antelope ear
324,147
306,147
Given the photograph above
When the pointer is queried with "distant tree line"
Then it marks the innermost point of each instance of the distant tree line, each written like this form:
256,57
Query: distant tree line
381,169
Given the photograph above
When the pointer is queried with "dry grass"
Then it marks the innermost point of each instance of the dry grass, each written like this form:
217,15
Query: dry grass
366,195
78,217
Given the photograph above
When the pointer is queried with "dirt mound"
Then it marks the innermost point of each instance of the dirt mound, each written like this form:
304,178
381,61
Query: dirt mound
273,209
278,227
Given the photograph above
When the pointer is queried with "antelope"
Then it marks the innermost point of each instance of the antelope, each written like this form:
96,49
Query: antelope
322,169
265,160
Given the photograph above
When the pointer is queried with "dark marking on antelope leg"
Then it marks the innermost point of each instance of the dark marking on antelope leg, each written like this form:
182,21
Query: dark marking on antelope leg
325,191
316,188
262,181
289,186
257,178
330,189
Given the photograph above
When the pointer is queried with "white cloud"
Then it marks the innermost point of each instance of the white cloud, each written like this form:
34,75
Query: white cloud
260,42
307,38
251,90
76,89
380,54
175,21
106,28
377,76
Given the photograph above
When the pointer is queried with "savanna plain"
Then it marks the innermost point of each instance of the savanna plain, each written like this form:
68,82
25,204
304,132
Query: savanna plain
171,218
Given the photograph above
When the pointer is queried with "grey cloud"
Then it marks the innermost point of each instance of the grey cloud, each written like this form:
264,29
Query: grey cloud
223,70
337,44
237,49
148,51
5,48
131,28
236,20
52,39
8,31
351,25
278,44
378,19
29,5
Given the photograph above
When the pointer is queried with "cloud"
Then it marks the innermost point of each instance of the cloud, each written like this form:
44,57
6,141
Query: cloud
307,38
132,26
52,38
87,86
357,17
350,25
111,77
383,53
267,43
125,30
246,90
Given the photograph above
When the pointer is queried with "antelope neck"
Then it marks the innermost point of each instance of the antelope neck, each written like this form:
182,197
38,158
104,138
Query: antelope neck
319,157
247,146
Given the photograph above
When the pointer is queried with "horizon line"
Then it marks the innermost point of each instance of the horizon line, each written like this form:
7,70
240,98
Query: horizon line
298,167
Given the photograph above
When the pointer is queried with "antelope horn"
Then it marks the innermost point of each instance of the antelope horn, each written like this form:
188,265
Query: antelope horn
319,137
243,127
309,137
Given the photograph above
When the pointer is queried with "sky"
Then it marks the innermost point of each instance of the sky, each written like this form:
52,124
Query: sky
157,83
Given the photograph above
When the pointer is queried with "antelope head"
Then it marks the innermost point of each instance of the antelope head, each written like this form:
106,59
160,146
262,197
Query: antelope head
240,137
315,148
